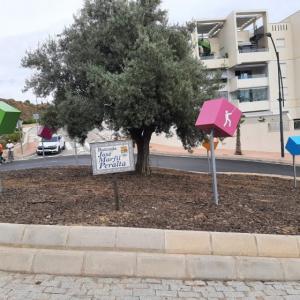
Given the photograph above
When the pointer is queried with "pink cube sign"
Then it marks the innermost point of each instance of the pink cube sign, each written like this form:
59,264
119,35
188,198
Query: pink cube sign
220,115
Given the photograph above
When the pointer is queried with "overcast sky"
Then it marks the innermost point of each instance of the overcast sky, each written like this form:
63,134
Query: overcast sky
24,23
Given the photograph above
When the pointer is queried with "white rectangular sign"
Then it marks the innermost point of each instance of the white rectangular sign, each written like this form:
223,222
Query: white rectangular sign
112,157
36,116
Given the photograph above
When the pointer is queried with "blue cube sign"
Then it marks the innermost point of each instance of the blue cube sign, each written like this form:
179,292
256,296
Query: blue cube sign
293,145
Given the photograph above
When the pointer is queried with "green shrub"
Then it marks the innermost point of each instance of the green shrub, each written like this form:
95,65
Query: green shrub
29,121
14,137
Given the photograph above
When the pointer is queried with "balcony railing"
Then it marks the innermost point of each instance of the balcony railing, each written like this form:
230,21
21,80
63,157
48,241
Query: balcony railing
251,50
206,57
213,56
251,95
252,76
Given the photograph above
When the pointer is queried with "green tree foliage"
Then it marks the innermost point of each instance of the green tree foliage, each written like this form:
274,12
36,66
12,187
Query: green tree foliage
122,64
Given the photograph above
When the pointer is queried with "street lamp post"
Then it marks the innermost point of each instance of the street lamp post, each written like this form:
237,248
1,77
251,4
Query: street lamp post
280,95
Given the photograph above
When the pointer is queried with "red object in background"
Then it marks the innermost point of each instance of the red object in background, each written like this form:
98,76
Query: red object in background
45,133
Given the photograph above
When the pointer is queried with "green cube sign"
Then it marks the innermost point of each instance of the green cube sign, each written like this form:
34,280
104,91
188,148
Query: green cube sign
9,117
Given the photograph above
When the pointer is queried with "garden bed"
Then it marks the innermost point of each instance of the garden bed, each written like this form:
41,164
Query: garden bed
167,199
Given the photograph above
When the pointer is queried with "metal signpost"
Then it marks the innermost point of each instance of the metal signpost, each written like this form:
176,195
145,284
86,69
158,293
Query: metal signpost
295,172
19,126
218,118
36,117
112,157
293,147
214,170
207,146
208,161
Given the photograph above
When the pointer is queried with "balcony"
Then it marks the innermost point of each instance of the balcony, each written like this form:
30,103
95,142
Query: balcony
252,81
249,55
254,106
251,50
255,99
214,61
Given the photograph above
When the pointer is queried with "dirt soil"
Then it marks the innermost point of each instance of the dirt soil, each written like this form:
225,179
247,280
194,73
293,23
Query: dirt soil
167,199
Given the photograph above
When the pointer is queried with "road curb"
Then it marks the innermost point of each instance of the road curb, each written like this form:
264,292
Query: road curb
140,252
236,173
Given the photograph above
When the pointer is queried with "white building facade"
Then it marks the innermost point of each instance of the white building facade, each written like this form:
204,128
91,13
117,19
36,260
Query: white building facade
238,46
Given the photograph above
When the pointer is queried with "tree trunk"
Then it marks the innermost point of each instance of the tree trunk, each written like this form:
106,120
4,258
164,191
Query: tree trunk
238,147
142,140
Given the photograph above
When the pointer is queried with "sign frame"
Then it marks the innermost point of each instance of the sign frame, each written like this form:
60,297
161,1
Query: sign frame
110,145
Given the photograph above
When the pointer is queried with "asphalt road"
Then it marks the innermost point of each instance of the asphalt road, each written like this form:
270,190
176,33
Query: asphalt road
179,163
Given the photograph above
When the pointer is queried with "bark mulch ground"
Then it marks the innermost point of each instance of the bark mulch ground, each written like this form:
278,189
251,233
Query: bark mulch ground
167,199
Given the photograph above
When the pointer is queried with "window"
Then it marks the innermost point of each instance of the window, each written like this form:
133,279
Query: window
280,43
259,94
283,70
297,124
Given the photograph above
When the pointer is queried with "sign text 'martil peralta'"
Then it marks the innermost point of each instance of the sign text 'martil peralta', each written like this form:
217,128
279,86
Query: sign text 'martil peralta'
112,157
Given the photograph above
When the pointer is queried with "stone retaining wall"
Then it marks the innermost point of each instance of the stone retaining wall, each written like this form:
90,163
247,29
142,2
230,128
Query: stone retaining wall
137,252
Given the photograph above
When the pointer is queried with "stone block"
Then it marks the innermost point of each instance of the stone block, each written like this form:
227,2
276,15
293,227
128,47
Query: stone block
92,237
291,268
277,246
191,242
293,145
259,268
140,239
161,265
110,263
233,244
16,260
59,262
11,234
211,267
47,236
8,118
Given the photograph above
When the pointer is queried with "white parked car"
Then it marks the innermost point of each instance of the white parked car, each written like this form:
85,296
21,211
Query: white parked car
55,145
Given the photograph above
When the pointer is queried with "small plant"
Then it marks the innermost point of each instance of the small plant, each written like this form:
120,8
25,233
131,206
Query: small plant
29,121
14,137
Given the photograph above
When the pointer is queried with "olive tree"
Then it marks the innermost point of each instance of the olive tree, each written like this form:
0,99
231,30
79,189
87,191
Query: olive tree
122,64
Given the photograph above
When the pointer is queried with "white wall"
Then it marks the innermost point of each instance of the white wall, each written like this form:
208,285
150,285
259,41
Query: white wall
228,39
243,36
289,30
294,20
255,136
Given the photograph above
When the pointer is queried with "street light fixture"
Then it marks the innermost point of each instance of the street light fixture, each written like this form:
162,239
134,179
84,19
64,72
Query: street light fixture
280,93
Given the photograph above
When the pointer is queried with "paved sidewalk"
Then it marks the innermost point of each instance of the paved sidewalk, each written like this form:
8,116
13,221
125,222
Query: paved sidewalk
224,153
40,287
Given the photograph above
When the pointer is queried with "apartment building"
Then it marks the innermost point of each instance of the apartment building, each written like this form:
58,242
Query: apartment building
238,46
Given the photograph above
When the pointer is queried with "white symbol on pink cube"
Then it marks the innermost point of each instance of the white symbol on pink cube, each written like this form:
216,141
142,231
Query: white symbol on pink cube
220,115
